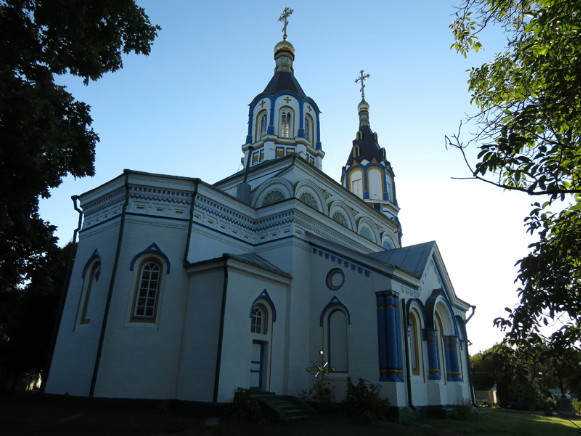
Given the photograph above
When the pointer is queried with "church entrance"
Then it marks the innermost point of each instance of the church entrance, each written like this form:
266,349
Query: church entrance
258,366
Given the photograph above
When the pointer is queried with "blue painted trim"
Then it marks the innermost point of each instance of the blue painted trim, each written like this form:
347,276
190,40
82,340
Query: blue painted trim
417,303
335,302
431,338
439,295
264,296
389,336
453,372
152,249
95,256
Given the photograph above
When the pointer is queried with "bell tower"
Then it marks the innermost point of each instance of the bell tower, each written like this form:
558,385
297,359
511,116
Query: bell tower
367,173
282,119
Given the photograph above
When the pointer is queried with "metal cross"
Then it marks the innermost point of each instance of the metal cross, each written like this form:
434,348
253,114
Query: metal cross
361,79
284,17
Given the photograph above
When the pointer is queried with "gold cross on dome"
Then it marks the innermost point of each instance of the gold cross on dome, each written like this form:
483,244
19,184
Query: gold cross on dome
361,79
284,18
287,99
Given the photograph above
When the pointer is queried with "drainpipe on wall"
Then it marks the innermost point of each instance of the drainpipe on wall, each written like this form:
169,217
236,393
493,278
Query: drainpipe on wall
469,372
221,332
407,355
111,286
193,200
63,297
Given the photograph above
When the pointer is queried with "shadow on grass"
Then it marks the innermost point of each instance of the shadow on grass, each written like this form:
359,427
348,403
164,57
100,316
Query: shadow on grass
34,415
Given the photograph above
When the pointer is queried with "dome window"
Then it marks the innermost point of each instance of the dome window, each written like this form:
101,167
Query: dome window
262,124
309,128
286,123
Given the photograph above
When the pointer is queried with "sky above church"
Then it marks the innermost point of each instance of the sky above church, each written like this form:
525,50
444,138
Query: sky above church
183,110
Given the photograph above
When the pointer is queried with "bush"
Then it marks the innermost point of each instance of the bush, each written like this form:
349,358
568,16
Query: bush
577,406
363,403
246,407
322,392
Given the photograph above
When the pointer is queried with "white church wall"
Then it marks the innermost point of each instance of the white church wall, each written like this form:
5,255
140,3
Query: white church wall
341,283
246,285
76,347
140,357
199,348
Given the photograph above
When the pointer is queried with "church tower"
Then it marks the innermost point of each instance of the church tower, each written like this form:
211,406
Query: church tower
283,120
367,173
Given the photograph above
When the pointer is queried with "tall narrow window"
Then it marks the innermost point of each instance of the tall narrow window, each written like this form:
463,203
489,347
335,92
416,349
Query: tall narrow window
414,344
441,356
286,123
309,132
147,292
262,125
259,320
90,285
357,183
337,341
375,184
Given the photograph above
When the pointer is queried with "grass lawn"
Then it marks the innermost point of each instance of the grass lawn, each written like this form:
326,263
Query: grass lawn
34,417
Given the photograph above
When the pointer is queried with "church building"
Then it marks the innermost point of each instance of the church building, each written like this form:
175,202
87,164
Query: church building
185,290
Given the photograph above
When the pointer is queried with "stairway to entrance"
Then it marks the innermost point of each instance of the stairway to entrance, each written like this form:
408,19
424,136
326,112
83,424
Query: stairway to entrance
286,407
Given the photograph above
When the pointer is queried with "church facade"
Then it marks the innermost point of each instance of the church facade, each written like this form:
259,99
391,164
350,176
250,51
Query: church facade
185,290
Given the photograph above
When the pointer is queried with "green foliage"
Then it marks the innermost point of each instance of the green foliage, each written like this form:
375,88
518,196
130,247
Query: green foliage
28,315
529,139
247,408
363,403
321,391
45,133
523,376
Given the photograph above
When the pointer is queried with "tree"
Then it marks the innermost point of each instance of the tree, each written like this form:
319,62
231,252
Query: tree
529,139
28,316
523,377
45,133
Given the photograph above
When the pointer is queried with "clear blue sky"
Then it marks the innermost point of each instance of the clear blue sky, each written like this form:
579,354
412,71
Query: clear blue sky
183,111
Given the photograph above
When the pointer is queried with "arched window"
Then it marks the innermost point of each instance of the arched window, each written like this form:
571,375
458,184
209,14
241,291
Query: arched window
309,136
89,285
340,218
272,197
147,291
309,200
357,183
414,343
259,320
441,357
337,340
286,123
366,233
389,187
375,184
262,124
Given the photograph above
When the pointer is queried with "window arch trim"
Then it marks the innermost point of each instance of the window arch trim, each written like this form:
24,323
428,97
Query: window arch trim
438,299
334,304
95,256
152,249
266,298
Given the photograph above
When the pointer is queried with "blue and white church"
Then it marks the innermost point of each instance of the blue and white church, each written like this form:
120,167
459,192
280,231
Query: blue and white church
185,290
